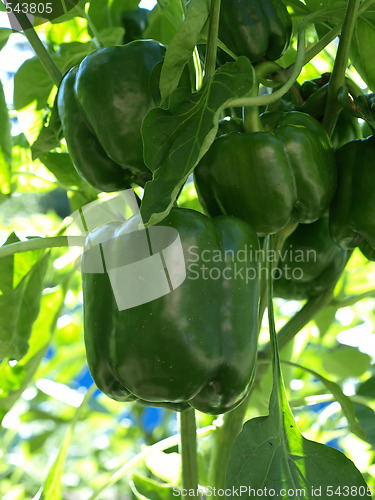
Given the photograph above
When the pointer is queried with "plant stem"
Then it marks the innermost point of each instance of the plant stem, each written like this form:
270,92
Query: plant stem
251,119
40,243
211,48
188,450
337,79
39,48
300,320
280,238
224,437
166,443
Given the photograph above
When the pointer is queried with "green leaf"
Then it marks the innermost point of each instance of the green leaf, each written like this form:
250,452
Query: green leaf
14,379
164,21
77,11
52,489
365,414
344,401
4,34
145,488
181,48
363,39
346,361
21,286
32,82
271,455
111,36
175,139
5,146
62,168
50,135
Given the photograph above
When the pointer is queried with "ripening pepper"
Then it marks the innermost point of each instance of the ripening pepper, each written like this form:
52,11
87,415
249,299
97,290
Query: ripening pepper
257,29
101,104
193,347
352,212
269,178
309,262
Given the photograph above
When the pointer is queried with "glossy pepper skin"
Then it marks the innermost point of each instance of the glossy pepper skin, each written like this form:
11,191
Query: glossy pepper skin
194,347
101,104
352,212
257,29
310,263
268,178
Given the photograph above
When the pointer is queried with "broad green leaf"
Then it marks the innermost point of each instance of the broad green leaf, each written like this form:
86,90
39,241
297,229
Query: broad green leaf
145,488
175,139
21,286
52,489
62,168
363,39
111,36
77,11
344,401
5,146
346,361
98,13
365,414
50,135
181,47
164,20
32,82
14,379
4,35
272,456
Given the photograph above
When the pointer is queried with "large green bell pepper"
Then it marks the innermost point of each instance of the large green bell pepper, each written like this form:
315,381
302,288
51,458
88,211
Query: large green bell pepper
268,178
309,263
352,213
102,103
195,346
257,29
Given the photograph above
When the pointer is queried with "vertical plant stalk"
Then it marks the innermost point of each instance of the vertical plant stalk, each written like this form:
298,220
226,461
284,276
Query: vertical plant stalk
337,79
224,437
188,450
211,48
39,49
233,420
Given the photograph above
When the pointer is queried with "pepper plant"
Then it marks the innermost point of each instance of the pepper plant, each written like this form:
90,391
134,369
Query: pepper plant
217,158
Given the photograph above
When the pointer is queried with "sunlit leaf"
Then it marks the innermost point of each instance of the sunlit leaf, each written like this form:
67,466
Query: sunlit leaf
175,139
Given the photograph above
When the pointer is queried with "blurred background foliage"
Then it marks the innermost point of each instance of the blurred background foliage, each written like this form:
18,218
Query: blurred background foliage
48,429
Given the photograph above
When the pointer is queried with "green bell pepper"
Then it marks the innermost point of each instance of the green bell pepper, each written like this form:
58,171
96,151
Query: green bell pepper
352,212
309,263
257,29
195,346
268,178
101,104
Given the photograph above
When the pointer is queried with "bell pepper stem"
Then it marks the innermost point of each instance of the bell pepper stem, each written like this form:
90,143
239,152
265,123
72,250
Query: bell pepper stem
251,119
188,450
211,48
337,79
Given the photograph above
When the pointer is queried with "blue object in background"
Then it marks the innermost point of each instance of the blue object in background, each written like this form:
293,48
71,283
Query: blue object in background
151,418
50,352
318,407
335,443
84,379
